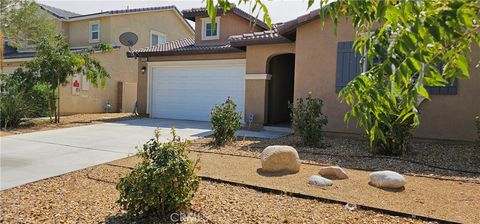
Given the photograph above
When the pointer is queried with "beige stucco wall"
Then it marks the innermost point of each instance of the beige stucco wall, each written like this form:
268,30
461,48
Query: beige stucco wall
9,67
453,116
167,22
120,68
79,31
445,117
230,24
142,77
256,91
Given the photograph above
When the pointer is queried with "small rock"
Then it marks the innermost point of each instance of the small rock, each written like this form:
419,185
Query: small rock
319,181
387,179
280,158
334,172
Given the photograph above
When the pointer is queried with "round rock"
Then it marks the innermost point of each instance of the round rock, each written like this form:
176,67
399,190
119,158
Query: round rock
387,179
334,172
319,181
280,158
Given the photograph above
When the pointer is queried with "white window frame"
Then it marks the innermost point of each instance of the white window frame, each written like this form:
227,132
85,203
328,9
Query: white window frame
206,21
152,32
90,24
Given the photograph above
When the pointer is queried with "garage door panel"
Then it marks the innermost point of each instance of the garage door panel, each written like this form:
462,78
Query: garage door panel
190,92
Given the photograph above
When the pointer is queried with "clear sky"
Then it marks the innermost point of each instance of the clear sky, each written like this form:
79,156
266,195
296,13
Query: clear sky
280,10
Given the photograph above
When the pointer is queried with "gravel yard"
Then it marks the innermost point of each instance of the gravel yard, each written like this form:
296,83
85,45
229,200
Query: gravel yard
89,195
37,124
440,160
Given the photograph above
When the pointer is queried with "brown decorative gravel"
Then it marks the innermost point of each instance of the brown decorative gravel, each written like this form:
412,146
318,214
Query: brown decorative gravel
353,153
443,199
89,196
34,125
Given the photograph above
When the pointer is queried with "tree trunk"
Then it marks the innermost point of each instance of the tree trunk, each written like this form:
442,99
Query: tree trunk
49,100
58,101
54,103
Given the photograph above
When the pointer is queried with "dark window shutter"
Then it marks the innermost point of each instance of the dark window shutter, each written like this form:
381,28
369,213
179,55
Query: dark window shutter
348,64
450,89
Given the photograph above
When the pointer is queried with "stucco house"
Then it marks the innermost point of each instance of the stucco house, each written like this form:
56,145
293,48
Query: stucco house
153,26
263,70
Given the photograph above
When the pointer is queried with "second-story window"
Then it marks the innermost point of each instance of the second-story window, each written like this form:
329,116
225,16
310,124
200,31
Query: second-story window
157,38
94,31
211,31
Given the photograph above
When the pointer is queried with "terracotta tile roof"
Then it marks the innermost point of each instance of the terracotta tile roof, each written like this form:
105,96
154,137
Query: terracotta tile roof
265,37
192,13
182,47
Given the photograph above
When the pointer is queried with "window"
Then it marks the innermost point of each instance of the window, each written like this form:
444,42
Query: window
210,31
157,38
94,31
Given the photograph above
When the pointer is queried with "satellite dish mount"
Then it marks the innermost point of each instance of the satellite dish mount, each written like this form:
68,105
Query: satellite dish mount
128,39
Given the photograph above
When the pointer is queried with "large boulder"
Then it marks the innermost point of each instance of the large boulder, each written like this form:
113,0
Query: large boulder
387,179
319,181
334,172
280,158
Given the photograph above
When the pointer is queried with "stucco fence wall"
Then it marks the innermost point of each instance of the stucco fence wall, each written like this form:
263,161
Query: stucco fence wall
93,99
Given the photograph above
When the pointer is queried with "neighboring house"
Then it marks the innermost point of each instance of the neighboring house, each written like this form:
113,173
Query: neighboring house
153,26
264,70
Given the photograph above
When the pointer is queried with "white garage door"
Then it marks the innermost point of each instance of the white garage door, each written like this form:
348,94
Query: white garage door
188,90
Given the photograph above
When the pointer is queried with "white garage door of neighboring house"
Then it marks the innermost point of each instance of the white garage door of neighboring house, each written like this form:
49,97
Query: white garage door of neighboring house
189,89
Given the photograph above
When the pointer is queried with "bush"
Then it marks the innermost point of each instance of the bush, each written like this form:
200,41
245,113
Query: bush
396,138
21,98
164,181
13,108
308,120
225,121
38,97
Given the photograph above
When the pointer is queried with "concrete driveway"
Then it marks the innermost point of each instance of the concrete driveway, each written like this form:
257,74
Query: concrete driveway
30,157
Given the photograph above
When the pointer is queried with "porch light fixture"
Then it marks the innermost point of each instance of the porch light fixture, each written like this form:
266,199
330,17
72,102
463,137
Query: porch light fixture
143,70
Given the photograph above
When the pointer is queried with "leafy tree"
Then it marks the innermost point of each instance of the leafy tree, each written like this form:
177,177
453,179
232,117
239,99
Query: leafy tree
24,23
54,62
413,38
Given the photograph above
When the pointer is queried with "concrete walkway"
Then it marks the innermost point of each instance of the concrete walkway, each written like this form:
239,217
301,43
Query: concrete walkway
448,200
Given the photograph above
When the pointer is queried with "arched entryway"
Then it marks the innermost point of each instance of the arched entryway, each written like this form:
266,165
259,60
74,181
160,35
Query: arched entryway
280,88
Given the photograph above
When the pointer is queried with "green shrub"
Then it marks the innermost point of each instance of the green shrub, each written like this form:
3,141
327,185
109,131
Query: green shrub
396,138
164,181
225,121
308,120
13,108
21,98
38,98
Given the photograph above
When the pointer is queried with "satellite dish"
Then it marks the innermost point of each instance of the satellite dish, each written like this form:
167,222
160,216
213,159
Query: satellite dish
128,39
